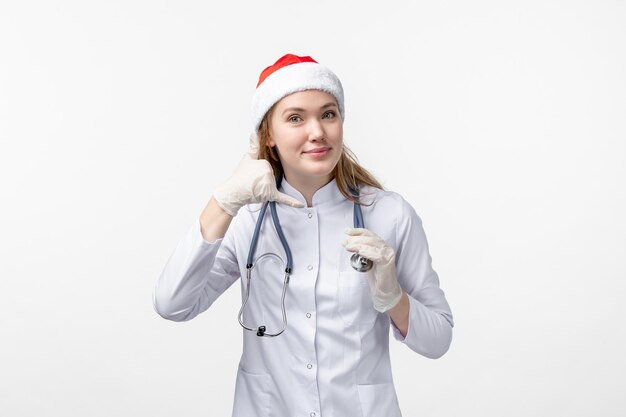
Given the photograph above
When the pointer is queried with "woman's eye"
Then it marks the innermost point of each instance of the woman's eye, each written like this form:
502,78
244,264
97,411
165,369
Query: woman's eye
329,115
294,119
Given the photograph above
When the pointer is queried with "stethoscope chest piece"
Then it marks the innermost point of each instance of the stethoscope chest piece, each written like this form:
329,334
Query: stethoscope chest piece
360,263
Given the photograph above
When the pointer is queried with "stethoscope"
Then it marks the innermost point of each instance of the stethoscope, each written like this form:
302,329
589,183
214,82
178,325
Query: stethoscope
358,262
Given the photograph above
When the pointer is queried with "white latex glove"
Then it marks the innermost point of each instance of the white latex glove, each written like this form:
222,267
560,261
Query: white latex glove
252,182
382,279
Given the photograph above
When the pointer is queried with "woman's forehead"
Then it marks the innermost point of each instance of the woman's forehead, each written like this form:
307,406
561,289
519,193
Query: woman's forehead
307,99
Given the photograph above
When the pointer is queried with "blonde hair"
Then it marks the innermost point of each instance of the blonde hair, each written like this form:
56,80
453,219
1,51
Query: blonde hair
348,173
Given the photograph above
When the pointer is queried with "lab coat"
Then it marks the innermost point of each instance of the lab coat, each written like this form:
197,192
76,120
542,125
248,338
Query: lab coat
333,358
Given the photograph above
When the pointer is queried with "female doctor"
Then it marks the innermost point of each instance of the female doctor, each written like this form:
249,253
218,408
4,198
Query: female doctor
319,344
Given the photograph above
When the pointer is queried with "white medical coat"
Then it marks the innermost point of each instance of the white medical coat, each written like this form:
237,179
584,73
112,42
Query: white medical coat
333,359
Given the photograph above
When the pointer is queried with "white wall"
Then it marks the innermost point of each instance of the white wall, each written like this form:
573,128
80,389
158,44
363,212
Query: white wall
501,122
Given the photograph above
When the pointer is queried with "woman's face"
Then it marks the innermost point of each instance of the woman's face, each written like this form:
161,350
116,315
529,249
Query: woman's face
307,130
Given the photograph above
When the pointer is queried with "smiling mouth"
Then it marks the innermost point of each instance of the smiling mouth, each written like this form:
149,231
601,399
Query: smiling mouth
319,150
318,154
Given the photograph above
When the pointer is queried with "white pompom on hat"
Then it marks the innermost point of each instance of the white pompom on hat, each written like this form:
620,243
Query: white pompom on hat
290,74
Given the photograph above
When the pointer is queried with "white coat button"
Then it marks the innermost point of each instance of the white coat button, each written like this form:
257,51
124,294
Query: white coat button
310,267
310,215
308,315
309,366
312,414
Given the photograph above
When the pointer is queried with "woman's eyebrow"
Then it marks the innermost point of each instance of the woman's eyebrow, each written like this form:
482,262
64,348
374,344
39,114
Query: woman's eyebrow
301,110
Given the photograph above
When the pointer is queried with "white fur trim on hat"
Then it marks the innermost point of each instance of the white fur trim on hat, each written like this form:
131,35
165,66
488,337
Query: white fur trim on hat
290,79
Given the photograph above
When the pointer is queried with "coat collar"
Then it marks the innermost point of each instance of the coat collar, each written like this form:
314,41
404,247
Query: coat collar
329,193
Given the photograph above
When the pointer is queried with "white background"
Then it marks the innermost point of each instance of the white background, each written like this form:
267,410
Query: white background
502,123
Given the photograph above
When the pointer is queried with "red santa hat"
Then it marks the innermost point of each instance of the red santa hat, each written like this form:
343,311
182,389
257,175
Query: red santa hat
290,74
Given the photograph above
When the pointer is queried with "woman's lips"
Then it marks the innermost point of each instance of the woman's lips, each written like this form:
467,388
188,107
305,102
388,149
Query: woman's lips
318,153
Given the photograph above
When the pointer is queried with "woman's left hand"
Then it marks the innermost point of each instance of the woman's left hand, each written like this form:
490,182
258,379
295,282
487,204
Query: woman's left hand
382,279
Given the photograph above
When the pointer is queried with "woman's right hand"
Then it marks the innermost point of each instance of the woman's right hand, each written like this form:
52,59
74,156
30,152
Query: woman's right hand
252,182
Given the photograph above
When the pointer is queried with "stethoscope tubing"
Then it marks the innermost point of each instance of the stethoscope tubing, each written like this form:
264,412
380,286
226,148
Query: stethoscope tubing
358,262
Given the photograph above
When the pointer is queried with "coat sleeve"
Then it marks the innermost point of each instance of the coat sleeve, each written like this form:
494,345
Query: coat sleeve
195,275
430,319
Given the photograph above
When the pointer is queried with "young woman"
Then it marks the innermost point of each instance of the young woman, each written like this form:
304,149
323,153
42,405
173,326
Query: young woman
319,316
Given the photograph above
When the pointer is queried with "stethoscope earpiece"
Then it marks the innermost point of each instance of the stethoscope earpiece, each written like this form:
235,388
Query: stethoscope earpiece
360,263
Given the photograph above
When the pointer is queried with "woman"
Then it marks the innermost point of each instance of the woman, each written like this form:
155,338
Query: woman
332,359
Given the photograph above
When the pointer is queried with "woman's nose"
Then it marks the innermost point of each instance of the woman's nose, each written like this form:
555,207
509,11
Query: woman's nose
316,131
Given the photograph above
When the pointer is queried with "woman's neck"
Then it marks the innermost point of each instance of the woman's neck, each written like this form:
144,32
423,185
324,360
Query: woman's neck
308,186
